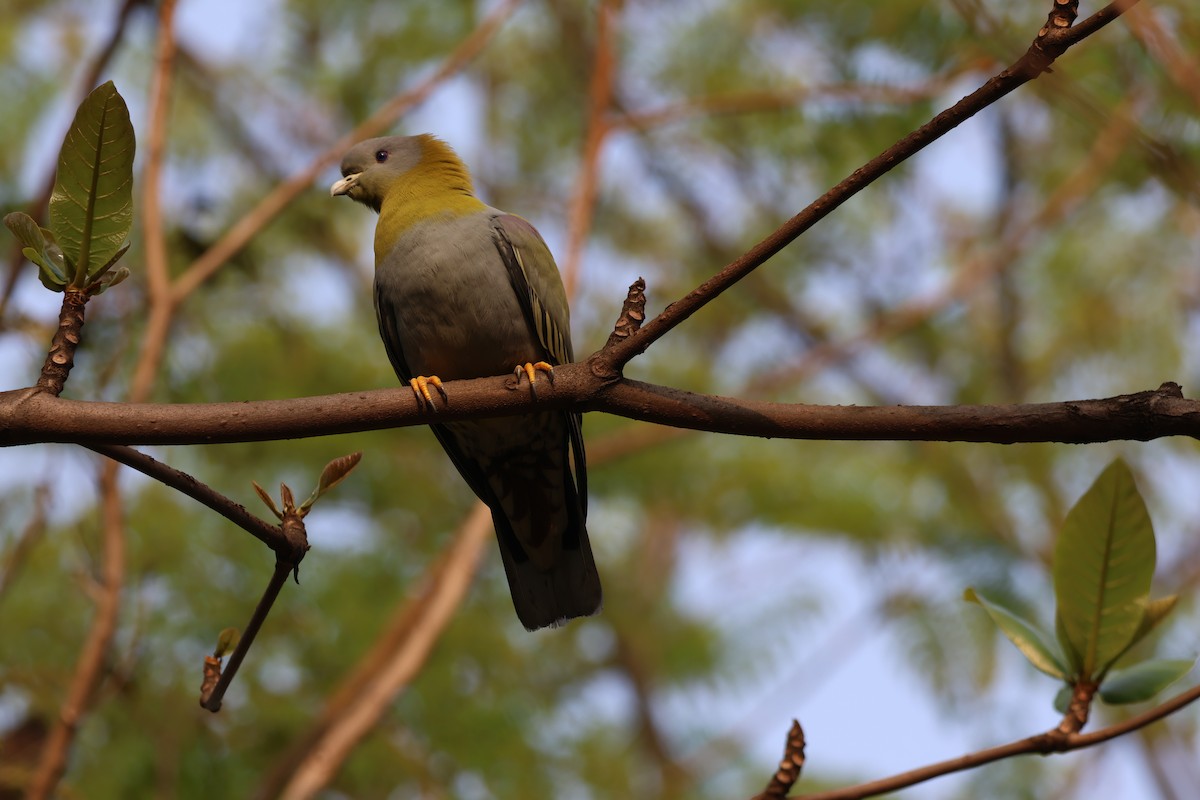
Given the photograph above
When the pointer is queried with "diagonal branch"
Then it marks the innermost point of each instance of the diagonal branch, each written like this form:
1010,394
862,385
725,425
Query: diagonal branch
1051,42
270,535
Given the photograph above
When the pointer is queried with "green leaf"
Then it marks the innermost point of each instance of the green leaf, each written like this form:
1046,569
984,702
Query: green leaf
1029,639
38,246
106,282
26,230
91,208
226,641
1141,682
1103,565
1074,661
1155,612
1062,699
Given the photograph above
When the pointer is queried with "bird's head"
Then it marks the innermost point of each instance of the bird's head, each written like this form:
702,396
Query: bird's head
374,166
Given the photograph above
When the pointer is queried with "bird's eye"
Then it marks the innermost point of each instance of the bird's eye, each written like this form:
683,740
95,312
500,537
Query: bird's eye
381,156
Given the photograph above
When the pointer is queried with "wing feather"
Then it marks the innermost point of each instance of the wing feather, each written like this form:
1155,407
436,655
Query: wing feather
534,276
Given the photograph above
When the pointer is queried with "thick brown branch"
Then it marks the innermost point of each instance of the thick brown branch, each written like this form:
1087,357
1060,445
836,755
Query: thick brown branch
1050,43
30,416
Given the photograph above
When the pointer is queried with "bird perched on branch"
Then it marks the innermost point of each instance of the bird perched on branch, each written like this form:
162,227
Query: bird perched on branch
463,290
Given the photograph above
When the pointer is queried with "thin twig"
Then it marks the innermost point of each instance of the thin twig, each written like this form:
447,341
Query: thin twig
1049,45
211,700
270,535
1053,741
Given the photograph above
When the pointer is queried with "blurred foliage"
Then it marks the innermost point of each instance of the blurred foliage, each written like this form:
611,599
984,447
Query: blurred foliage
740,574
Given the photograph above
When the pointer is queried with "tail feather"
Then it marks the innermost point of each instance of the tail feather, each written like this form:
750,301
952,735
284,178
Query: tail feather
527,475
569,587
548,598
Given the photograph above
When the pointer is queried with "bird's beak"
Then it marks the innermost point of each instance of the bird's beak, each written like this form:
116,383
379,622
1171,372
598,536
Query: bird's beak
344,185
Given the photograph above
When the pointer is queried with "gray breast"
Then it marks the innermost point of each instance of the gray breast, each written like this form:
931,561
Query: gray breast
458,316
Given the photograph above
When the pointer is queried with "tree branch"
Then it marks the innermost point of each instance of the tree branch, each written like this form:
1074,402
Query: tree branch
211,697
270,535
31,416
1051,42
1053,741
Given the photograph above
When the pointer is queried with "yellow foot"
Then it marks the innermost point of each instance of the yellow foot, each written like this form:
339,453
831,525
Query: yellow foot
530,371
420,386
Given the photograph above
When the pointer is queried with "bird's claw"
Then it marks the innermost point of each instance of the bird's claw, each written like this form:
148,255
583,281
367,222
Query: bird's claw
530,371
420,386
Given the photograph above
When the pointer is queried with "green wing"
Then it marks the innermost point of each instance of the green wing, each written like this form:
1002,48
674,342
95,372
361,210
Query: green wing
539,289
536,281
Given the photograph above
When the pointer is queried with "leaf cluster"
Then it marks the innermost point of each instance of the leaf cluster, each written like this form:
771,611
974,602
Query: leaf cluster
1103,567
91,207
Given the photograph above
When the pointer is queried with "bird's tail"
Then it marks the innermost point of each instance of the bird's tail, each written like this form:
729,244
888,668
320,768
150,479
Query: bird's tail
565,586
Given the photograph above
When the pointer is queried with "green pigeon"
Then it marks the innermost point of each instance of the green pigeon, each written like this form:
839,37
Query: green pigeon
463,290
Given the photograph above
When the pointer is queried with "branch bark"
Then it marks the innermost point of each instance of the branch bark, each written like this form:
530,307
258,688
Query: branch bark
30,416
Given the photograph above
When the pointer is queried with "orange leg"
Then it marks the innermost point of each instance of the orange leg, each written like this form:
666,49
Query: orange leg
420,386
530,371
